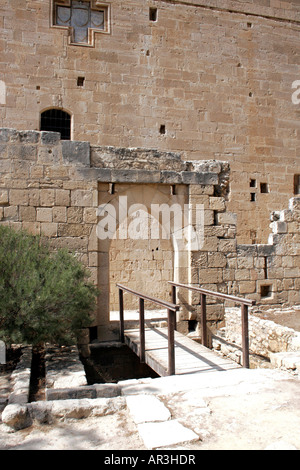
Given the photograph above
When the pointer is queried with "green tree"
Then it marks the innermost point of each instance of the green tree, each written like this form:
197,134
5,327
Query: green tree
45,296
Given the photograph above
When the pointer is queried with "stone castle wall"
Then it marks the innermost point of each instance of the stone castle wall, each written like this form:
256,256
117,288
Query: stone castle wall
211,79
270,273
54,188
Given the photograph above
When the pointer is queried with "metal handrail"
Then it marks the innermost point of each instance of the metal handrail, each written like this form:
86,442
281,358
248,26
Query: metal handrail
245,303
172,309
233,298
162,303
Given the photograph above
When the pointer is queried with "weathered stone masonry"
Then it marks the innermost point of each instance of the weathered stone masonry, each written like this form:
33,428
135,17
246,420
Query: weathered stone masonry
54,187
211,79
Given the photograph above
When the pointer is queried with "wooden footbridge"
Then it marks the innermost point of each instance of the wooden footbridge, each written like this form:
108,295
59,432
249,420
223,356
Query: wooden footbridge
169,352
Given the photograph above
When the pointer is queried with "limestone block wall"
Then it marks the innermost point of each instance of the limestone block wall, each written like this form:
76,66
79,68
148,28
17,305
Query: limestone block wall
54,188
40,191
142,262
265,336
269,273
162,178
211,79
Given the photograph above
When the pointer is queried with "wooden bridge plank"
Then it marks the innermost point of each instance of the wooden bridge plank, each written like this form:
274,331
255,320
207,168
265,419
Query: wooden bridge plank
190,356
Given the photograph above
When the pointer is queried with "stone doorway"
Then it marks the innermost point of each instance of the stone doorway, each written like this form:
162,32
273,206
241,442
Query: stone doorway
139,250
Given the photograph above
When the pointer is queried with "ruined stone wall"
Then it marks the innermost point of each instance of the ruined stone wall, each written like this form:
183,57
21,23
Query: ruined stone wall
211,79
265,337
269,273
41,192
53,188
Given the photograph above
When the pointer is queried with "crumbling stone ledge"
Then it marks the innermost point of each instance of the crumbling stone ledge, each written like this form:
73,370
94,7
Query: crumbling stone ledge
66,378
21,416
63,368
265,336
21,378
89,391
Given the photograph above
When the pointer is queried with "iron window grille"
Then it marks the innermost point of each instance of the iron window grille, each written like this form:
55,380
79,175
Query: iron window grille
56,120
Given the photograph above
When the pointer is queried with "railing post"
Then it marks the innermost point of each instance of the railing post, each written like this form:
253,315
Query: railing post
245,336
121,308
171,341
174,302
203,321
174,294
142,330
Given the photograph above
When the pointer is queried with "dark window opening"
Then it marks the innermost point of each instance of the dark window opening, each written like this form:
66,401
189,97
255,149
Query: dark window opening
173,190
252,197
297,184
93,333
80,81
264,188
252,183
56,120
111,189
153,14
162,129
266,267
192,325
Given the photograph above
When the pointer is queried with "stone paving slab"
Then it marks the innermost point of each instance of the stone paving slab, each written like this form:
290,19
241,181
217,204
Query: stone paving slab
211,383
154,423
167,433
147,408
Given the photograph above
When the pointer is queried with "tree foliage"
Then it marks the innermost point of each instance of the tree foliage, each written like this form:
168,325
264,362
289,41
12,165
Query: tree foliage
45,296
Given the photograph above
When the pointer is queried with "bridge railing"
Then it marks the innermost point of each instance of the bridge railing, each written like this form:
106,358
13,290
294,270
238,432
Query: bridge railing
245,304
171,308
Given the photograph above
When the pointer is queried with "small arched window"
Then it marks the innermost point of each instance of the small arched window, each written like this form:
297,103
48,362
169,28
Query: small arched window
56,120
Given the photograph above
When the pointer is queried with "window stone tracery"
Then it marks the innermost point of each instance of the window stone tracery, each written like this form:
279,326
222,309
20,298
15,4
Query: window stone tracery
82,19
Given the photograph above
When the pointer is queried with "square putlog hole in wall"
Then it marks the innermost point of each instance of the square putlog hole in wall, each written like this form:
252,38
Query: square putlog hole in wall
266,291
80,81
264,188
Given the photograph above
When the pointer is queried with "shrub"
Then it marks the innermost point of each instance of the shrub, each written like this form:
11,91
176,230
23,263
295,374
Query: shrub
44,296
